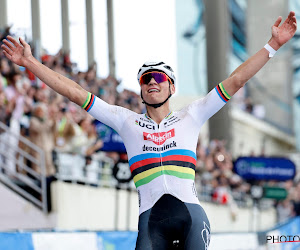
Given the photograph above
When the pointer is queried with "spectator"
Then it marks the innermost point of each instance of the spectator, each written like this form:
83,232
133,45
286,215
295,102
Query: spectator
284,210
41,130
3,104
64,131
296,200
221,193
5,33
15,109
84,136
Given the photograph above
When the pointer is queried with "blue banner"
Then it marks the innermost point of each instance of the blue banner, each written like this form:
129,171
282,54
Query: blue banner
261,168
116,240
292,229
111,139
68,240
13,241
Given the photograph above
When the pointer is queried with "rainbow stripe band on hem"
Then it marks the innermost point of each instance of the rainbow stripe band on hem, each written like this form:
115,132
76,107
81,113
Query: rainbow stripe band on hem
222,93
89,102
150,175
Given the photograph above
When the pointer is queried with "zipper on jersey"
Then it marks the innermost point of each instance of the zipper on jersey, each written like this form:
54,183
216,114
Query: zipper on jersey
162,167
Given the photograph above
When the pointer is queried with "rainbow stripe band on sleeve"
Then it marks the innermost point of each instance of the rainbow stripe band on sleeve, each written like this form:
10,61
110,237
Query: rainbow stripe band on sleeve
222,93
89,102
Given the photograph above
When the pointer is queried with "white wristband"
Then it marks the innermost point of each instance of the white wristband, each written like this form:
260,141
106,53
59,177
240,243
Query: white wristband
270,49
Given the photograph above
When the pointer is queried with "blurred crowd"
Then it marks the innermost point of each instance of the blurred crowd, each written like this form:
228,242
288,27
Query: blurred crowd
218,181
32,109
55,124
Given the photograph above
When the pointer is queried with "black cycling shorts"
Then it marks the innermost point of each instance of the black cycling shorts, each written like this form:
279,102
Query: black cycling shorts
173,224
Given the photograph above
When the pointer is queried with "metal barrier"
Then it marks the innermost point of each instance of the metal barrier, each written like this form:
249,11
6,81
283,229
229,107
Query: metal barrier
74,168
22,178
238,198
99,172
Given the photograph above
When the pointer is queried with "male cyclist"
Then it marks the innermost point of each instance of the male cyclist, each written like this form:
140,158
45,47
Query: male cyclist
161,144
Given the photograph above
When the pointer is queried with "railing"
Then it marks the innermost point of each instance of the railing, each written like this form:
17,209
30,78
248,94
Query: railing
238,198
76,168
21,177
100,172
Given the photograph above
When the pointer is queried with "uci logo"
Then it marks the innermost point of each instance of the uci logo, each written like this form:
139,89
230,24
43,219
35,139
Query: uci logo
143,125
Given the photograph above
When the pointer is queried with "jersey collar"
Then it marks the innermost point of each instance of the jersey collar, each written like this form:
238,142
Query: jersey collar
166,118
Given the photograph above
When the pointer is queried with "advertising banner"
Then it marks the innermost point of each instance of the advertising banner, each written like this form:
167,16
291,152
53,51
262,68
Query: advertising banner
111,139
116,240
13,241
64,241
285,237
68,240
263,168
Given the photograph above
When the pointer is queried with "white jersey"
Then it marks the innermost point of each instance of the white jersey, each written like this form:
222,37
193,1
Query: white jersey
162,157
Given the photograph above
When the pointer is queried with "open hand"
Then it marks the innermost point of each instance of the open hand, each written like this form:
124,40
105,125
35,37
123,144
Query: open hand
283,33
16,52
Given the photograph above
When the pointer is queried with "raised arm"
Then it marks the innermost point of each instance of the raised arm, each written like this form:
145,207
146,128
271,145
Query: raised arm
280,35
20,53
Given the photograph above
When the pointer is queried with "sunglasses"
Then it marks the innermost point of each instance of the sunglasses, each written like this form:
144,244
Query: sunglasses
158,77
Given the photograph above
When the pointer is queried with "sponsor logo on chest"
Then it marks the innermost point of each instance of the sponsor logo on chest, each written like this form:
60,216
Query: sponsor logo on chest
159,138
171,121
145,125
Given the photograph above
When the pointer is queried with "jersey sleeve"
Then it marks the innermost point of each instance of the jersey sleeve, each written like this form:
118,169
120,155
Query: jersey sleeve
111,115
201,110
